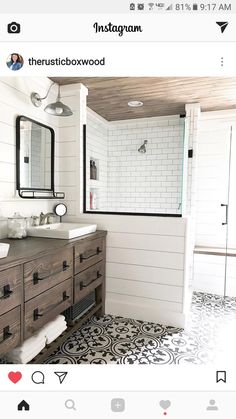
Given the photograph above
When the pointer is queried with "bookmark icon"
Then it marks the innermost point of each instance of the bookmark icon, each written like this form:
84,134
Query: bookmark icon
221,376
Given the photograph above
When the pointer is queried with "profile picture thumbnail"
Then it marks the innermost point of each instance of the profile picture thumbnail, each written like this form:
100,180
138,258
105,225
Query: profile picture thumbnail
15,61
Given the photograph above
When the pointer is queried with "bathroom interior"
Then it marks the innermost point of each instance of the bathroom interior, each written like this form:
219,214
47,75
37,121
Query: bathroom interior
117,227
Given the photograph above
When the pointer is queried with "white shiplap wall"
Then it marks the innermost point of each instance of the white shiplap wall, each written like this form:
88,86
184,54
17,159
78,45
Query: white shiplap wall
15,100
145,266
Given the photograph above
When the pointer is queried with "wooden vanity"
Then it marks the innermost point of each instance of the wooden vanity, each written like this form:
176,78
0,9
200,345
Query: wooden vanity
41,278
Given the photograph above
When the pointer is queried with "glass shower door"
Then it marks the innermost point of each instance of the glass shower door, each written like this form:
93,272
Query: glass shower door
230,277
212,209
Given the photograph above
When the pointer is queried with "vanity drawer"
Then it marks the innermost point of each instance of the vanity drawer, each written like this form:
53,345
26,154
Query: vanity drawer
10,335
10,289
88,280
44,308
88,254
46,272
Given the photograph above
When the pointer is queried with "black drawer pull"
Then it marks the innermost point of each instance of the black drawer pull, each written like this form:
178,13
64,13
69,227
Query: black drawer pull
36,314
36,277
82,286
6,333
90,256
65,296
65,265
6,292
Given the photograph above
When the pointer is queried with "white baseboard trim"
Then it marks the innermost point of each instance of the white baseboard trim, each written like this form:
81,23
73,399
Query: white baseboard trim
143,311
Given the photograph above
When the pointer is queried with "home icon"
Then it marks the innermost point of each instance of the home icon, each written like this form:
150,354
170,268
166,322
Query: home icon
23,405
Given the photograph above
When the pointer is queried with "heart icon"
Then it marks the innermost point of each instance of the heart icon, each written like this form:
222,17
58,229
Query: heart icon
15,376
165,404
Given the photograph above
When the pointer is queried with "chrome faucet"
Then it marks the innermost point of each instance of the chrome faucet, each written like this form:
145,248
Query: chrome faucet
44,218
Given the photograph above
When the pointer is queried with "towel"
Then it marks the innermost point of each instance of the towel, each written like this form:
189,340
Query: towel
29,344
32,346
53,334
53,325
23,357
53,329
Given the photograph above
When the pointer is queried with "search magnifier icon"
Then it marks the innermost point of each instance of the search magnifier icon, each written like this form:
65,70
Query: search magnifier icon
70,404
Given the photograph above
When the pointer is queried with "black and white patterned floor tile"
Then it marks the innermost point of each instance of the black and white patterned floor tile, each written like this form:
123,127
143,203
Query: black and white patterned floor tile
125,341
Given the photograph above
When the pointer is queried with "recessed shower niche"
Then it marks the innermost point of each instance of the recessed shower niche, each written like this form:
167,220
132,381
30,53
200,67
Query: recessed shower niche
139,165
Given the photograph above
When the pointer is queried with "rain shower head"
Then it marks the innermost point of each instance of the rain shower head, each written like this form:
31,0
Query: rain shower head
142,148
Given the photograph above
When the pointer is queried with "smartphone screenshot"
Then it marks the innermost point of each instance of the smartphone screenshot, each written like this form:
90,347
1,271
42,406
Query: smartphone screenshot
117,209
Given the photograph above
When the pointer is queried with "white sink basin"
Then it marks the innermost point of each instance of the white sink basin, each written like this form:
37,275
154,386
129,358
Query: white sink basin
4,248
62,230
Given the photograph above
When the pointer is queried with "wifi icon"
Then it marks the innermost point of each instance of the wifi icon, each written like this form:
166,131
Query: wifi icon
222,25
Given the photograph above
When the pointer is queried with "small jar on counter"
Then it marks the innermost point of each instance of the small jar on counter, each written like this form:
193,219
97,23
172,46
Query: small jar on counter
16,226
34,220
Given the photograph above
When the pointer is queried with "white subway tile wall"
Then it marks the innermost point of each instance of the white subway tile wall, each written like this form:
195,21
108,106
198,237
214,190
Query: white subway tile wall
35,147
130,181
148,182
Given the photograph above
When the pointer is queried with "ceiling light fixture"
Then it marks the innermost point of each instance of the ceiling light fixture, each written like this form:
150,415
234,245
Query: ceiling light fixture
56,108
135,103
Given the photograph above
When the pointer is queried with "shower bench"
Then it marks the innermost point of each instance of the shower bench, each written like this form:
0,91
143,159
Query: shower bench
214,270
216,251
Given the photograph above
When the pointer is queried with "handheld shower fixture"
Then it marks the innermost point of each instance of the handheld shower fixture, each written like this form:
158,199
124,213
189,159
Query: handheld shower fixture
142,148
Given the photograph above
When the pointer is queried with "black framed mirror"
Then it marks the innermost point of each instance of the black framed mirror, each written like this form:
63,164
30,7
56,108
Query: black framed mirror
35,144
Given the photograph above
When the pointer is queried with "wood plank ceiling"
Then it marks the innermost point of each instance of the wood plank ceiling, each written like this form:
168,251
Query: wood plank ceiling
108,96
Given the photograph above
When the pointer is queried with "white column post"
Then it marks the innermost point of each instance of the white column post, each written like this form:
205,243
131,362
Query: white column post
71,130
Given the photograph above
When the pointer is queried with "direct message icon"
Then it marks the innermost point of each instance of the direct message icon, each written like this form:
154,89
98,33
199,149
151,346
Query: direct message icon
61,375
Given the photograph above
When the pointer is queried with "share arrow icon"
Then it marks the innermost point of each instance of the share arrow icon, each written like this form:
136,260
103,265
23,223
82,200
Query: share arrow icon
222,25
61,375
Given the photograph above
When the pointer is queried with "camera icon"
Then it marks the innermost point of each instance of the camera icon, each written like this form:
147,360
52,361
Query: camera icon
13,27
